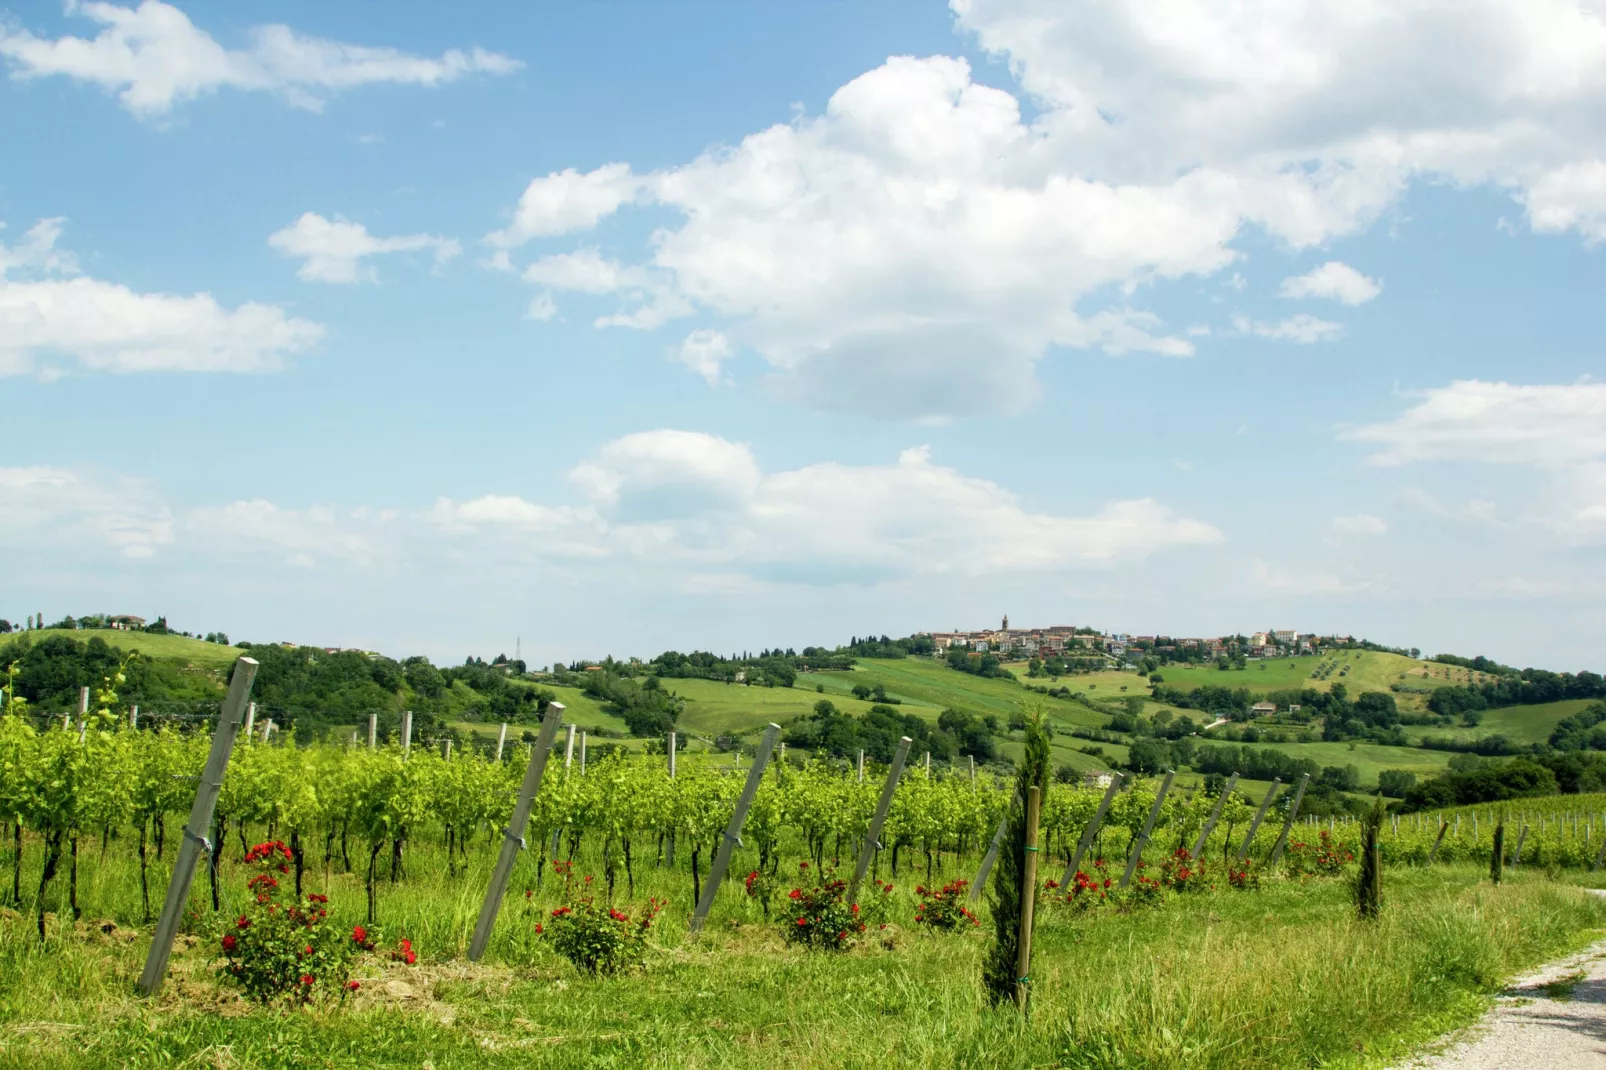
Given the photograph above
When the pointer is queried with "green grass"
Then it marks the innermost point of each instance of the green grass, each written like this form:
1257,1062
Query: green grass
169,647
1520,724
1280,977
1278,675
1368,758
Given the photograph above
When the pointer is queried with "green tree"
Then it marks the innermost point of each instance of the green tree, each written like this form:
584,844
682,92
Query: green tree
998,968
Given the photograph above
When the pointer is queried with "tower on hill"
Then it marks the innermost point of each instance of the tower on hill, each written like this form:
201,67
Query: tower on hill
1005,628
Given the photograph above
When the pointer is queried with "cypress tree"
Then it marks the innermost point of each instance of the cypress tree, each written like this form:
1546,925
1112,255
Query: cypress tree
1497,857
1369,883
998,968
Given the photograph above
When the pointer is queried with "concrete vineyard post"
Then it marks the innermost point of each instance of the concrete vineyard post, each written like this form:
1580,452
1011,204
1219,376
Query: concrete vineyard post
83,703
1516,855
1148,827
1092,829
568,752
133,716
990,858
669,845
407,731
928,765
582,754
194,841
1444,826
1254,826
1210,823
513,835
973,770
1293,809
1028,899
872,839
446,754
733,834
861,765
1600,855
501,740
373,730
250,721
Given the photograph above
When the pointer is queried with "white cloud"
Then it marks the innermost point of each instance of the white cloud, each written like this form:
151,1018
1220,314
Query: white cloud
1335,280
566,202
48,508
332,250
1302,328
304,536
704,351
582,271
153,56
1496,423
109,327
1283,580
542,308
915,250
1360,524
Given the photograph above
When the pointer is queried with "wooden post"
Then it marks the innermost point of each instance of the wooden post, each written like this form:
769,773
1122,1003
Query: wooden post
194,840
733,834
1028,898
513,835
373,730
1293,809
1444,826
989,858
1091,830
501,740
250,721
1210,823
1148,827
872,838
1254,826
1516,856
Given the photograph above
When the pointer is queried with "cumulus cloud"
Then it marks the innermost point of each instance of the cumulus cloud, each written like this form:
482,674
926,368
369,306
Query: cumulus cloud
1335,280
582,271
924,234
1494,422
153,56
332,250
704,352
46,311
80,512
1284,580
1302,328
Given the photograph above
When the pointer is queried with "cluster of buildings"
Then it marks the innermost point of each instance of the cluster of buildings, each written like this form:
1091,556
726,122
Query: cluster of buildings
1072,641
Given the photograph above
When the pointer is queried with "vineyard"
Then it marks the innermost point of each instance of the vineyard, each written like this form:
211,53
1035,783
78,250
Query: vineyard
396,843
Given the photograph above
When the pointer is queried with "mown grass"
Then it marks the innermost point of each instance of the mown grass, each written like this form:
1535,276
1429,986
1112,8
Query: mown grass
170,647
1280,977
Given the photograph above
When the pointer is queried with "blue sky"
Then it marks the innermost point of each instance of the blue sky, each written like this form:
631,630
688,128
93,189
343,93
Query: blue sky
631,326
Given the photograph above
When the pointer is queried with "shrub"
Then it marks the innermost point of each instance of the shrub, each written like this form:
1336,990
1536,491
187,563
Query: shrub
821,916
1243,878
1086,892
1146,891
600,939
281,950
760,886
944,908
1327,857
1181,873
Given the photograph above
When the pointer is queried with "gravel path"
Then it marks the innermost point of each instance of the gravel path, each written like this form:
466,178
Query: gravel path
1554,1018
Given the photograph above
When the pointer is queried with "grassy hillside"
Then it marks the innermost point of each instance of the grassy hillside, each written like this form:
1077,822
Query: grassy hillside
1520,724
166,647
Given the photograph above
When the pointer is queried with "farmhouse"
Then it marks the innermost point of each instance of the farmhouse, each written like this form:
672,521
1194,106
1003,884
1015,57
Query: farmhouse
1263,709
127,622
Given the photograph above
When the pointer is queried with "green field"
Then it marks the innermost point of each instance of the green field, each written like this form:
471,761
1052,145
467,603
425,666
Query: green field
1520,724
1278,675
1368,758
168,647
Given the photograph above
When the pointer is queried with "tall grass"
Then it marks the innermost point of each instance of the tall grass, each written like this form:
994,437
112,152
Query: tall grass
1281,977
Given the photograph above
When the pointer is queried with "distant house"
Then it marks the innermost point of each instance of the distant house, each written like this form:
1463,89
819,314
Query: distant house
127,622
1263,709
1097,778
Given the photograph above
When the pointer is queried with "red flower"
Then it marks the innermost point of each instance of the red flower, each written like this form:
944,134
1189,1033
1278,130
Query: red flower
307,950
229,942
306,979
314,897
244,922
538,929
359,935
352,986
410,958
802,921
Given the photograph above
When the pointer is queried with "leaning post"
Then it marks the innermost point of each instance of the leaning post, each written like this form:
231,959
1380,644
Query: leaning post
1288,823
733,834
501,740
1444,826
990,858
1148,827
1092,829
1215,814
195,841
872,839
1254,826
513,835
